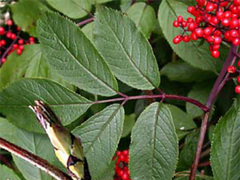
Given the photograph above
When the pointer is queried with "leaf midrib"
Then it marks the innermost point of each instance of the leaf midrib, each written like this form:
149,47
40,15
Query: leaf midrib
154,137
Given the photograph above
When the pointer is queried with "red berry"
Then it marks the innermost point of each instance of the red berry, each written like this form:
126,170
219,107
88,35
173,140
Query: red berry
2,42
234,33
19,51
231,69
177,40
214,20
20,41
217,40
2,31
215,54
191,9
234,23
199,32
125,152
236,41
225,22
21,47
4,60
9,34
15,46
125,176
238,63
237,89
18,29
220,15
184,24
189,20
175,23
31,39
207,31
13,36
192,26
9,22
210,6
215,47
186,38
193,36
180,19
238,79
228,14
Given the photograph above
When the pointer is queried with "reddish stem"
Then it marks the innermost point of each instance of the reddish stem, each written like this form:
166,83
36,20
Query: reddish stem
204,164
35,160
166,96
85,21
215,91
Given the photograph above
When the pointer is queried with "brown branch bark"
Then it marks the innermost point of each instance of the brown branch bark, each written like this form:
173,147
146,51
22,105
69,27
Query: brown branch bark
34,160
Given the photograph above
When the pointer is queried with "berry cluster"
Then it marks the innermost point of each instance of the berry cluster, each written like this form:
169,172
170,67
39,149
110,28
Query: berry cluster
11,41
215,21
121,167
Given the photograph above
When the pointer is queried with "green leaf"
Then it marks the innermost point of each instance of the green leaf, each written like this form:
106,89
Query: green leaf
199,92
7,173
100,135
72,8
100,1
183,122
154,146
15,99
144,17
26,14
225,152
187,154
38,144
29,64
109,173
199,57
126,49
129,122
15,67
88,31
72,55
38,67
183,72
126,4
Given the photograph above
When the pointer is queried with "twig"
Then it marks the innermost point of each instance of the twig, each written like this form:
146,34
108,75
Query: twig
215,91
85,21
166,96
205,153
34,160
204,164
